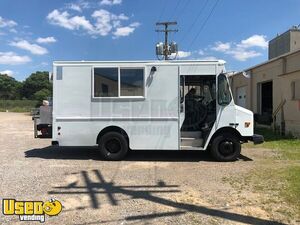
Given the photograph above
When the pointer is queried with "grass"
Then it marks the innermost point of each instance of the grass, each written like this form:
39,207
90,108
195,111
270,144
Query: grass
276,141
288,146
292,191
17,105
279,175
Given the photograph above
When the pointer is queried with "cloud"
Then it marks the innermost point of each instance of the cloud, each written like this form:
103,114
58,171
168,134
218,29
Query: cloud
13,30
125,31
7,72
221,47
46,40
33,48
44,64
7,23
201,52
11,58
85,4
254,41
243,50
183,54
74,7
63,19
241,54
209,58
105,23
110,2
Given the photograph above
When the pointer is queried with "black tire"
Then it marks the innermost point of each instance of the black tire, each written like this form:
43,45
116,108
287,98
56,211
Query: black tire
113,146
225,147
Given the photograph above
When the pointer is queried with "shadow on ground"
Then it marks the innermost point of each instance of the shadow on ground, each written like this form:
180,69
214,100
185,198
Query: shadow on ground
86,153
148,193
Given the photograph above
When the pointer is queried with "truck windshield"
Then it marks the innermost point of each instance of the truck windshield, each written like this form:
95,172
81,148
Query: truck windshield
224,96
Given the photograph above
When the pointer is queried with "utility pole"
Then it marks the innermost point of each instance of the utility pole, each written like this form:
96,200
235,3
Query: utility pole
166,51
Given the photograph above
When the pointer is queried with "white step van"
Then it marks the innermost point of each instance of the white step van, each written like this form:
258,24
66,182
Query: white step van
148,105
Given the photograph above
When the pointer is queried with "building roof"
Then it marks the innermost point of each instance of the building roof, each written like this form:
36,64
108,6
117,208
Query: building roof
293,29
272,60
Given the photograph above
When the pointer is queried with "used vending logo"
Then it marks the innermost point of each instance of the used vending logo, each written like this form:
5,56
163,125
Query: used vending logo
31,210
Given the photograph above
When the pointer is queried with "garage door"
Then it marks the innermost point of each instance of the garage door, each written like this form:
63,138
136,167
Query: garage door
241,96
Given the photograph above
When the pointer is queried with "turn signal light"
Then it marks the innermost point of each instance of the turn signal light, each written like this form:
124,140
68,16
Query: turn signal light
247,124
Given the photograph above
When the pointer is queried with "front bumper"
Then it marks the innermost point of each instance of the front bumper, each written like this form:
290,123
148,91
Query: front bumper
256,139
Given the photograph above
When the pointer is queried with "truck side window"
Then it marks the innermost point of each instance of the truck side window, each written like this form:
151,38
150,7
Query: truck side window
118,82
132,82
224,96
105,82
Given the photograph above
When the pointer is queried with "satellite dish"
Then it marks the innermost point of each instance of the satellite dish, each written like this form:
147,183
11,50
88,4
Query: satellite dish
246,74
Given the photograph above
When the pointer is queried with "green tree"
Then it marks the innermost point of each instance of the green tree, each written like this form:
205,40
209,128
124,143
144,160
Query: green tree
36,82
9,87
42,94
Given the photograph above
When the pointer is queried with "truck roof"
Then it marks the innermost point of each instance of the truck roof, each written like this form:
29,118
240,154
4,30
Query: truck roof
149,62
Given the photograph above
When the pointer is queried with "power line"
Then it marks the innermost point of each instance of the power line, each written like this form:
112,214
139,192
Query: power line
206,20
180,12
174,11
184,8
163,10
195,21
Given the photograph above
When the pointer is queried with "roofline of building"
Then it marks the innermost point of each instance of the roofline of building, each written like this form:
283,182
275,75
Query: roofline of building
271,60
289,30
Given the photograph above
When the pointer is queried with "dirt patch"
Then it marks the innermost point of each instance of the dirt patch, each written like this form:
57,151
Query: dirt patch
153,187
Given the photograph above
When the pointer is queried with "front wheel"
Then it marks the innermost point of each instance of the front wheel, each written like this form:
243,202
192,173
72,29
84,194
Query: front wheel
113,146
225,147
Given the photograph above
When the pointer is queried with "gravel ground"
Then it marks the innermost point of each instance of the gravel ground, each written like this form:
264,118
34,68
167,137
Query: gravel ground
148,187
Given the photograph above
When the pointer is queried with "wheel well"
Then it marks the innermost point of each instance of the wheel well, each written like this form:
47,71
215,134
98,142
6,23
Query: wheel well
112,129
227,130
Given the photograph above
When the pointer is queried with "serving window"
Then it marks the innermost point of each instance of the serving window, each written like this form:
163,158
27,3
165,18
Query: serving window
105,82
132,82
118,82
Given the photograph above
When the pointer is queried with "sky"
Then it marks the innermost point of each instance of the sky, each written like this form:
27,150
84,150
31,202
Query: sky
34,33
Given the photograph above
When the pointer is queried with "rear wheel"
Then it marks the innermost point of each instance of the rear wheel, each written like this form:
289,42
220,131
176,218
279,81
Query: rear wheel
225,147
113,146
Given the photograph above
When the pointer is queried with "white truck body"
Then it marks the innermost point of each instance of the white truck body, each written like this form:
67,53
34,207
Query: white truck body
152,120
